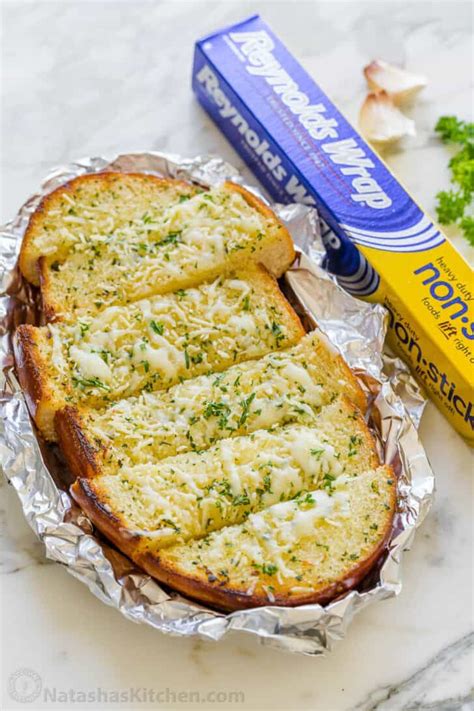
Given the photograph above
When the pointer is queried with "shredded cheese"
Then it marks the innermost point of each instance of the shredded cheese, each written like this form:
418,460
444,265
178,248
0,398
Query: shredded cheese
152,344
280,388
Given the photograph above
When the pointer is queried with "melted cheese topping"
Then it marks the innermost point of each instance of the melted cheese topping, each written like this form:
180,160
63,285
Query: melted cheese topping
167,246
155,342
196,493
297,546
284,387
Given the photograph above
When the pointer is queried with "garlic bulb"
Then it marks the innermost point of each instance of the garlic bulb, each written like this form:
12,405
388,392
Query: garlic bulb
399,83
381,121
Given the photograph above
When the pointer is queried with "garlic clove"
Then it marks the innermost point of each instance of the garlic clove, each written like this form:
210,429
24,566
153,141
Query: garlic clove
380,121
397,82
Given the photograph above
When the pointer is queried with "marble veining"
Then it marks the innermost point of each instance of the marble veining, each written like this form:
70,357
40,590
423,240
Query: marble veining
85,78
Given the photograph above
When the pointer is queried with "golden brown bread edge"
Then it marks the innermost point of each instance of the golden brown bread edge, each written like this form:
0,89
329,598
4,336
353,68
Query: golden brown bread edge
81,457
221,598
29,368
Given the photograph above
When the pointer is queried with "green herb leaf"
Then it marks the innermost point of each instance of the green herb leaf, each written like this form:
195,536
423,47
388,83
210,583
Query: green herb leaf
245,405
277,332
89,383
157,327
453,130
452,204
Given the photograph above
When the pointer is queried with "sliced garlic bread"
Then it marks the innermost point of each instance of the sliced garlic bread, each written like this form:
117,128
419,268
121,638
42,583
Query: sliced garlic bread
111,238
308,550
282,387
152,344
150,506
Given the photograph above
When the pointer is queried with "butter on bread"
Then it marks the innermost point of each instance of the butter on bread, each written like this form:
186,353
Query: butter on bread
111,238
282,387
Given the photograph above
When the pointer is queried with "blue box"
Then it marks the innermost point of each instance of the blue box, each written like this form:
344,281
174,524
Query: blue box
378,241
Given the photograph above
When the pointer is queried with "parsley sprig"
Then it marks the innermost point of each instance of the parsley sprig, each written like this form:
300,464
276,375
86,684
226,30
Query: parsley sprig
453,204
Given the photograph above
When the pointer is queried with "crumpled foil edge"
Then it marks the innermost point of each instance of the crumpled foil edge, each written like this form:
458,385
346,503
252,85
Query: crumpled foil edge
355,327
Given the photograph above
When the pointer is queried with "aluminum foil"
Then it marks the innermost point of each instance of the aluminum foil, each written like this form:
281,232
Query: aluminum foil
355,327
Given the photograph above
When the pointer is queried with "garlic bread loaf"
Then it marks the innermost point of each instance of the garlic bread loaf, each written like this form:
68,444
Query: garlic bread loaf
213,441
111,238
288,386
152,344
150,506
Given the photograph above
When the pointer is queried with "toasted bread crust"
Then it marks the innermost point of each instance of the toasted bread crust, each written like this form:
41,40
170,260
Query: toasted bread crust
81,456
270,285
355,393
29,367
107,522
41,397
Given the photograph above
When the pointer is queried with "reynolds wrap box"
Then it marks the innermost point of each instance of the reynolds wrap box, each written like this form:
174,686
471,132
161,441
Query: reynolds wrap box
379,243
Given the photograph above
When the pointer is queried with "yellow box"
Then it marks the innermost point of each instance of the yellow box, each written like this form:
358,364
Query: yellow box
429,296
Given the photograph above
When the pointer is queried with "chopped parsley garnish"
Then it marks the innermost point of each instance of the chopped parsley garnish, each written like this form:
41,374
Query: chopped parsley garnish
84,327
328,483
173,238
354,442
267,568
157,327
245,405
89,383
277,332
241,500
217,409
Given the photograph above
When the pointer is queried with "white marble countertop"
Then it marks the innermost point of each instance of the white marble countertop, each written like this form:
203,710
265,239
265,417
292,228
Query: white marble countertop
84,78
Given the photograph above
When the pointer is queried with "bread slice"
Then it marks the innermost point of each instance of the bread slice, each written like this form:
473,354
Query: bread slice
112,238
149,506
305,551
283,387
153,343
